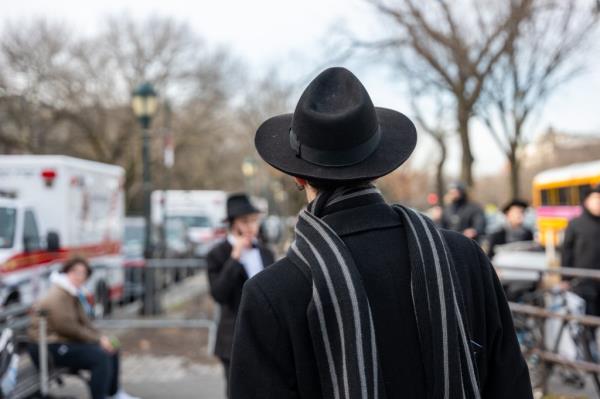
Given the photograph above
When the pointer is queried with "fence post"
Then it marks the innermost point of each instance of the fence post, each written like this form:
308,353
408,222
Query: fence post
43,352
212,330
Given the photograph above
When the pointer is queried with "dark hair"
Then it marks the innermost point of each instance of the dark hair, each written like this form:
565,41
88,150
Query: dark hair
77,260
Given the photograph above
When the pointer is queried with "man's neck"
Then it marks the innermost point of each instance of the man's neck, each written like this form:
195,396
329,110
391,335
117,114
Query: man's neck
311,193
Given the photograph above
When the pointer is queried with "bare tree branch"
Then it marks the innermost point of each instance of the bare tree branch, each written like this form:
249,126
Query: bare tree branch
453,57
544,56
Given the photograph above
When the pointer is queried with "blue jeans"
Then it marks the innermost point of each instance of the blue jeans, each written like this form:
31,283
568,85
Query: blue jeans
103,366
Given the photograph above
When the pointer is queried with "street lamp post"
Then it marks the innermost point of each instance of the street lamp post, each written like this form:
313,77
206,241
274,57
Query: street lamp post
249,171
145,104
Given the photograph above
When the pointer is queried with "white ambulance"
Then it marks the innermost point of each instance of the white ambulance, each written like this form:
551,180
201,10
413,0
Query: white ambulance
53,207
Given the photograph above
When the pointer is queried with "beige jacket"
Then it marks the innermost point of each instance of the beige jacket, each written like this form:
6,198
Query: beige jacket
67,321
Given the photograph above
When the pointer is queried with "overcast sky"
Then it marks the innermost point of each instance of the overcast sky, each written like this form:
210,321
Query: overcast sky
288,35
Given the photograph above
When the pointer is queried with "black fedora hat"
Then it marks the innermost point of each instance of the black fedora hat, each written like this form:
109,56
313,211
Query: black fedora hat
336,133
515,202
239,205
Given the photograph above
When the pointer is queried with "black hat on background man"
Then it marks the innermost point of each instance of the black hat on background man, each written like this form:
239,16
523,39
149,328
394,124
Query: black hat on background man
336,134
515,202
239,205
458,185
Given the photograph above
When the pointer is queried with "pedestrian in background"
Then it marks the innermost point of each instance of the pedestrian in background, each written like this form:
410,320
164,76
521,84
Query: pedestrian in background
513,230
230,263
463,215
371,300
581,250
73,340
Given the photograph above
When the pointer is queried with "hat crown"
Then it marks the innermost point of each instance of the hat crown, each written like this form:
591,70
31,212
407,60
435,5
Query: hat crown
239,204
335,112
336,134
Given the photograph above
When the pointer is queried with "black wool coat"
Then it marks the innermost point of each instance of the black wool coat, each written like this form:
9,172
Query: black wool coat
499,237
580,246
463,215
226,277
273,353
581,250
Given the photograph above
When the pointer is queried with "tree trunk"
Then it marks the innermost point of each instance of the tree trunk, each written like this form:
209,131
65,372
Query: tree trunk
466,173
439,178
515,167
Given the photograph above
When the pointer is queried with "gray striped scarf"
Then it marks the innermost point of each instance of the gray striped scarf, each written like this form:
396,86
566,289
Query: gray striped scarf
340,318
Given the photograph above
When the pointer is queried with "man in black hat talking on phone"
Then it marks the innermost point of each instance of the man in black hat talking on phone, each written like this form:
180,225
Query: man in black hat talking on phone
371,301
232,262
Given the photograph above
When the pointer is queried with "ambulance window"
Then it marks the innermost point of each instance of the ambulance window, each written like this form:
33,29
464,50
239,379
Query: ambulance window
7,227
30,232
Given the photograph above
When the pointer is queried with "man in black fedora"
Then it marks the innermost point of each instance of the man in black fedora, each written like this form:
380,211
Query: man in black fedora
371,300
514,229
230,264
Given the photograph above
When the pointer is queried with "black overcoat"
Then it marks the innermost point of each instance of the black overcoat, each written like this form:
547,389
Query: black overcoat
226,277
581,250
499,237
273,354
463,215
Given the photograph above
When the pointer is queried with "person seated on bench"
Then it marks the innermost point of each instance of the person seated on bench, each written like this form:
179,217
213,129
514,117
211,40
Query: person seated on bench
73,341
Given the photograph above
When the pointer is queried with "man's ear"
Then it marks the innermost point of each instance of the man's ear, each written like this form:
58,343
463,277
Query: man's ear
300,181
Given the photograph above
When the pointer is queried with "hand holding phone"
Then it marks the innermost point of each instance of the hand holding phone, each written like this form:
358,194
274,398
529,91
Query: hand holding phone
241,243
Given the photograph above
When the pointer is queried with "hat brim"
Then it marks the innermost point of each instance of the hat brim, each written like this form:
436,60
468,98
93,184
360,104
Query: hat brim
518,203
398,140
247,211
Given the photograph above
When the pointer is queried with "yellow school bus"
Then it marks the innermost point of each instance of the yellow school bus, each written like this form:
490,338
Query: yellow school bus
557,196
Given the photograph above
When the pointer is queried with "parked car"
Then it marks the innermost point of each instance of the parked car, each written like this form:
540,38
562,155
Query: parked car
133,257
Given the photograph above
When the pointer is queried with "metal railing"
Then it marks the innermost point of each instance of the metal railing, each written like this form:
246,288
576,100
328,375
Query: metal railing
149,280
563,271
18,318
549,356
163,276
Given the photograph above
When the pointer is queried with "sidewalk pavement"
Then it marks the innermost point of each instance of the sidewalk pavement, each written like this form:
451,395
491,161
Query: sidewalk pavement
152,377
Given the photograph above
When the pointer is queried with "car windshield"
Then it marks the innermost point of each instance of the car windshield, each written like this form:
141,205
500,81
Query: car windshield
8,217
134,240
134,233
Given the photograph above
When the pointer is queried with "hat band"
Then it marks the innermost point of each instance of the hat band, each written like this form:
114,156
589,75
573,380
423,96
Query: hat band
333,158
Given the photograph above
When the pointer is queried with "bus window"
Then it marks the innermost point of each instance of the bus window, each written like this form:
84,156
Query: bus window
545,197
563,196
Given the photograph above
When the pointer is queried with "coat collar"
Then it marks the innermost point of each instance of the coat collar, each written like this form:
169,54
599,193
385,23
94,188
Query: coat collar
62,281
371,213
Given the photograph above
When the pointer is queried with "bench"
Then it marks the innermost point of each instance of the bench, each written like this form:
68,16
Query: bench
30,377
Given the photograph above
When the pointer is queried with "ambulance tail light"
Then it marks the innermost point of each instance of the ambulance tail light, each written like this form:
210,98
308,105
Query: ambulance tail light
49,176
